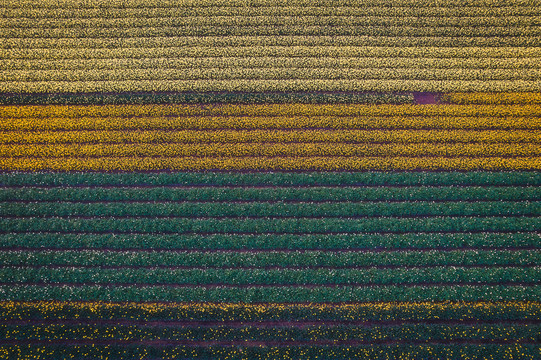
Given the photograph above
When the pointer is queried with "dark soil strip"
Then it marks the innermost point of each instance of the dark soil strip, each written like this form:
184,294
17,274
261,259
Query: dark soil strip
243,343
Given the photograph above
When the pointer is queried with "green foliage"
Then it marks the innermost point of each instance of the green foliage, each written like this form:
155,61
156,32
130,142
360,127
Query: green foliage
269,241
271,258
254,277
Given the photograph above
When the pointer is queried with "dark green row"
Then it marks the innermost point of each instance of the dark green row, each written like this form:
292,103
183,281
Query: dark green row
271,276
403,333
273,258
272,225
279,209
305,194
269,241
368,312
206,98
375,352
271,293
369,178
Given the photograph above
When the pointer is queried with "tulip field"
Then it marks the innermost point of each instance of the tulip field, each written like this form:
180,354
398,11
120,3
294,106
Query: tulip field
256,179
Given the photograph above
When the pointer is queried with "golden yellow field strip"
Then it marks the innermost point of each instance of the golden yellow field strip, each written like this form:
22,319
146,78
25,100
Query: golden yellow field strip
228,3
269,149
269,73
272,122
268,110
276,19
274,51
271,62
493,98
270,85
269,163
179,11
257,136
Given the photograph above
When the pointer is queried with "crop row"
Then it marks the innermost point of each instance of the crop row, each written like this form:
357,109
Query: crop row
322,163
272,136
248,351
261,62
269,73
343,333
271,293
255,277
282,110
271,225
121,4
292,29
275,19
273,312
268,241
293,10
270,258
324,122
270,85
255,51
274,209
288,179
285,193
272,149
205,98
492,98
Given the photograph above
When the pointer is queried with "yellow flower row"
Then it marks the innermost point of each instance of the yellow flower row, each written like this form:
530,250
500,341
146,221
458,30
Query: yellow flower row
258,136
269,149
18,309
268,73
290,9
274,51
269,163
277,18
179,62
269,122
493,98
269,85
255,3
269,110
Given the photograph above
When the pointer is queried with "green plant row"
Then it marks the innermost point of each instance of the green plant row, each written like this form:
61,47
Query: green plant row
269,312
294,10
269,73
272,225
365,334
257,50
205,98
271,294
272,258
254,277
343,179
268,241
258,62
279,209
377,85
305,194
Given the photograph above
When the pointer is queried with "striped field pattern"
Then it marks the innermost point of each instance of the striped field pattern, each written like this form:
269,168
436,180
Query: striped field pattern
256,179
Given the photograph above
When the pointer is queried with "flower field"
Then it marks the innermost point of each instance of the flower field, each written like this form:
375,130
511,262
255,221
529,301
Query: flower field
256,179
